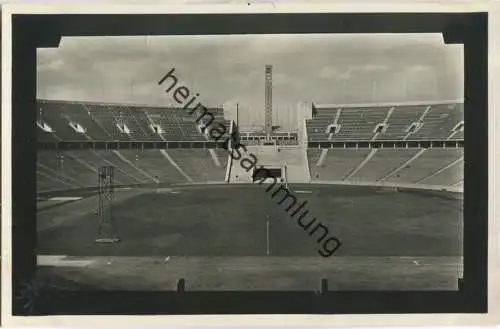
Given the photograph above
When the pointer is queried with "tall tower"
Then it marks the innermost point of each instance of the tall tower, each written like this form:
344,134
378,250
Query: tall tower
107,232
269,101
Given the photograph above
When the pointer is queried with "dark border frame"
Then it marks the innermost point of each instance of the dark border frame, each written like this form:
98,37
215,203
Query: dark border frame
32,31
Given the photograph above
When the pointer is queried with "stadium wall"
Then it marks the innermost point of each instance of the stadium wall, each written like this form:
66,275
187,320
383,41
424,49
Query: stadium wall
394,185
229,157
388,104
304,112
96,188
228,168
304,135
368,184
306,159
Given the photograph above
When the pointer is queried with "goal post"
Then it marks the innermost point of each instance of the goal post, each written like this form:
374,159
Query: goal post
268,246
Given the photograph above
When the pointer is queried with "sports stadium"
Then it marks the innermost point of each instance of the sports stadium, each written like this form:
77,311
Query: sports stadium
143,197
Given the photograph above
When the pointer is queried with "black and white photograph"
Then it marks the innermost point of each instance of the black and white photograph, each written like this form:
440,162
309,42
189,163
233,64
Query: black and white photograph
247,163
287,162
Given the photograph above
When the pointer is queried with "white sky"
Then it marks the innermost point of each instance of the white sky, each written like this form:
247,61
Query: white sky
324,68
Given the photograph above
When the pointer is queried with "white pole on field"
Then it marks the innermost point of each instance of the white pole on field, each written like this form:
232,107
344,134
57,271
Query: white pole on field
267,237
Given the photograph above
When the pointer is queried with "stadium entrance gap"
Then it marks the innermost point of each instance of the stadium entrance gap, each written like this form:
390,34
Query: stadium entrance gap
269,174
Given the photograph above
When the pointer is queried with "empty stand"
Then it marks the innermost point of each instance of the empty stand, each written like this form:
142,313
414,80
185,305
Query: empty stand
430,162
65,167
199,165
44,136
457,136
451,174
77,113
95,160
57,117
116,159
154,164
76,169
382,163
439,167
46,182
435,122
74,121
353,123
439,122
136,121
107,122
401,119
337,163
222,157
359,123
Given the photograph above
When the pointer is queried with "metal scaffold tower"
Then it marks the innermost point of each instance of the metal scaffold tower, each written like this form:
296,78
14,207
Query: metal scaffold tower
107,232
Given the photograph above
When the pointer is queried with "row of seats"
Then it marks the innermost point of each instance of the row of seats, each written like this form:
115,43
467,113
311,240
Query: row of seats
64,121
58,170
86,121
440,167
76,169
360,123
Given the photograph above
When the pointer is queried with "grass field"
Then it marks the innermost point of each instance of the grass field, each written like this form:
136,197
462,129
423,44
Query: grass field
256,273
216,237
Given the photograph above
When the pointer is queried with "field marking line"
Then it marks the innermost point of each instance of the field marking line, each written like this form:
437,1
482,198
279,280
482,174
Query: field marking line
61,261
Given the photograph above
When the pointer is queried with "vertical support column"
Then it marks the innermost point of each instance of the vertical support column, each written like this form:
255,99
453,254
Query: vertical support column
284,174
269,101
238,114
107,232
